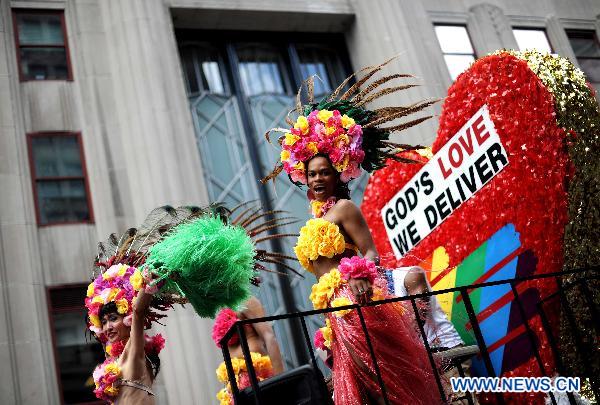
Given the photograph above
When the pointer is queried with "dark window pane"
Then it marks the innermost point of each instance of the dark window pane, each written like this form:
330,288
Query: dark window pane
586,47
324,63
260,70
591,68
584,44
40,29
77,357
201,66
56,156
44,63
62,201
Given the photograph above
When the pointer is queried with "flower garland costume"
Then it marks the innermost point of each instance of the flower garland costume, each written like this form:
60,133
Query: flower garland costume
224,320
188,254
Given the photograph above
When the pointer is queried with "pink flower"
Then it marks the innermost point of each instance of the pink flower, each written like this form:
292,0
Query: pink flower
312,118
319,340
352,171
244,381
298,176
224,320
358,267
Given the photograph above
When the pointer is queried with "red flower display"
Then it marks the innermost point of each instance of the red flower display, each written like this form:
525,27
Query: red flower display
531,192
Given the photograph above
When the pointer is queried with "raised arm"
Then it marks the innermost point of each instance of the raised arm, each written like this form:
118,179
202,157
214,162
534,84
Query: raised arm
136,336
254,309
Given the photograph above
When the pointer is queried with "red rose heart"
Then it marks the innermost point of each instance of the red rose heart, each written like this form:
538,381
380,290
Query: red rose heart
530,192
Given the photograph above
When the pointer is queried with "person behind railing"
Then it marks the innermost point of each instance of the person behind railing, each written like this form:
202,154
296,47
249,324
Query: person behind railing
441,333
264,349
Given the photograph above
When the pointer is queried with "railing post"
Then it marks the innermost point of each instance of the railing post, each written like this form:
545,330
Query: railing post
249,365
230,374
479,337
530,334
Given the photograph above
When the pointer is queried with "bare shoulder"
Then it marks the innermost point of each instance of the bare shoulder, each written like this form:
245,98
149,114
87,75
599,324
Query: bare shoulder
347,207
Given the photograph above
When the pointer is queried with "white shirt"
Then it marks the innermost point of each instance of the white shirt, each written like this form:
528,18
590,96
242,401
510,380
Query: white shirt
439,330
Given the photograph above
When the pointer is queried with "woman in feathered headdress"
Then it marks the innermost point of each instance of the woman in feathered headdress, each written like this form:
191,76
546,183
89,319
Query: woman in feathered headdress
201,256
326,147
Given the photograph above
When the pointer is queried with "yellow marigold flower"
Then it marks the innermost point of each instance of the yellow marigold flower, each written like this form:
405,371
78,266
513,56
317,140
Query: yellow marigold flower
222,373
113,368
326,249
330,129
342,139
122,306
136,280
90,290
324,115
95,321
325,288
285,155
318,238
341,166
327,334
108,349
302,124
111,390
112,294
262,363
316,207
290,139
312,147
224,397
340,302
238,365
122,269
299,166
347,122
97,299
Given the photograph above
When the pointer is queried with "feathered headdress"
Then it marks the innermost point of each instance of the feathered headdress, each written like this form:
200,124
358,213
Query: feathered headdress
341,127
204,256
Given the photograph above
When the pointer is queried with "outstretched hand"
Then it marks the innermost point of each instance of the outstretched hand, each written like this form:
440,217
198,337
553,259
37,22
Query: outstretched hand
362,290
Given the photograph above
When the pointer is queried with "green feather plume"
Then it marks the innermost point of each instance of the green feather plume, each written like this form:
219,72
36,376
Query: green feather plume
207,261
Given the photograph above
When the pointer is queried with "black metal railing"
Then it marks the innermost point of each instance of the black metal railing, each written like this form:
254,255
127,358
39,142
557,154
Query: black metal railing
463,291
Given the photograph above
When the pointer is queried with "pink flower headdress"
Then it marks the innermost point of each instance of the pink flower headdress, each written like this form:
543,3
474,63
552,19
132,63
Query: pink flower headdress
340,127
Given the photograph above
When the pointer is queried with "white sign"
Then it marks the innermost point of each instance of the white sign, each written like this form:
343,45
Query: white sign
469,160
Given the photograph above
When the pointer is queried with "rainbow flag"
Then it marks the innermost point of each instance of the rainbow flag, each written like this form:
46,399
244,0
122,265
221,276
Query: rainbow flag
500,257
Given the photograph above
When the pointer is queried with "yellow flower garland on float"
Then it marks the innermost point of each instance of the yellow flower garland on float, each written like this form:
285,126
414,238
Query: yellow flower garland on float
318,238
262,367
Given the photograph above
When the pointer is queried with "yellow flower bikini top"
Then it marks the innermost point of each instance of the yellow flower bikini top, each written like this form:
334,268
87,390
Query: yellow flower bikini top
319,237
